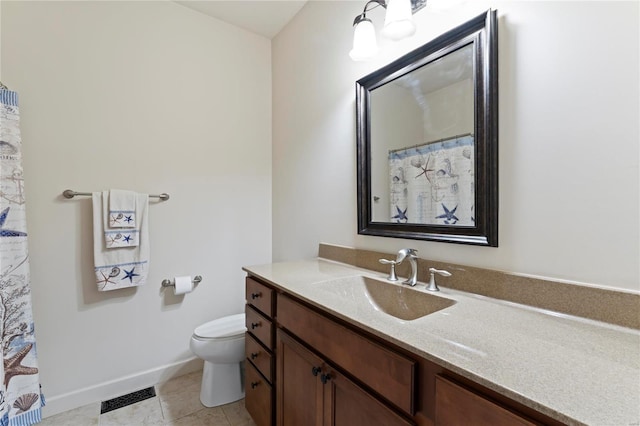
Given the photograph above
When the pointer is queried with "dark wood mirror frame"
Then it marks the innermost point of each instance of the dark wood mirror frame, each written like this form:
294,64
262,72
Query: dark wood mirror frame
481,33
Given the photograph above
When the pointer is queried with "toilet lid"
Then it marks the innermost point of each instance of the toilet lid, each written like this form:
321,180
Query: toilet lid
232,325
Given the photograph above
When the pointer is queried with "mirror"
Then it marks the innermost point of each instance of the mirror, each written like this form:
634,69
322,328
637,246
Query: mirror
427,140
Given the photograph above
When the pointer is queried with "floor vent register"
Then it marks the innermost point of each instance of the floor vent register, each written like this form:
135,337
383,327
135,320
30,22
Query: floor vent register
128,399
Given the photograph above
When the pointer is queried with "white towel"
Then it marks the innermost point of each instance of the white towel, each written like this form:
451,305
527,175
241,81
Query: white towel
122,209
119,267
120,223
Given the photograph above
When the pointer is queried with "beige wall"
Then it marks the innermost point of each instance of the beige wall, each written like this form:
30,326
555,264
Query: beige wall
450,111
569,184
396,122
152,97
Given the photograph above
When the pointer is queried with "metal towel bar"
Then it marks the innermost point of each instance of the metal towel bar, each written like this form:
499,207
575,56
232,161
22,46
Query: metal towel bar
68,193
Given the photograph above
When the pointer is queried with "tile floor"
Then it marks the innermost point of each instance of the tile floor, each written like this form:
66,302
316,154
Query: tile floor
177,403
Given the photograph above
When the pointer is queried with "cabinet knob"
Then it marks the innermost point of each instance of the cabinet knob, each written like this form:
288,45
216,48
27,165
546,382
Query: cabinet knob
255,325
324,378
256,295
254,355
254,384
315,370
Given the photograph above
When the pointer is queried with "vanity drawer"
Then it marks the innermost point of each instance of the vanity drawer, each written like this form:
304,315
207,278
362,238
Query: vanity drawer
259,326
258,396
390,374
260,296
456,405
259,357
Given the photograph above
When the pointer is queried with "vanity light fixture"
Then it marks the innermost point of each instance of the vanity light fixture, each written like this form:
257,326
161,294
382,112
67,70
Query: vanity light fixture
398,24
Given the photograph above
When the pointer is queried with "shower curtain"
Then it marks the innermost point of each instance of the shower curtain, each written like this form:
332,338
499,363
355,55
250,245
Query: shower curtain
433,183
20,397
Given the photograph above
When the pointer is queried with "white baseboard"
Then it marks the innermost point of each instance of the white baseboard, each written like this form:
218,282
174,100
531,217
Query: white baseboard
59,403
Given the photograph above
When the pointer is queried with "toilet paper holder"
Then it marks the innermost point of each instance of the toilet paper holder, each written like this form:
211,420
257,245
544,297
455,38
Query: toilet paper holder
170,283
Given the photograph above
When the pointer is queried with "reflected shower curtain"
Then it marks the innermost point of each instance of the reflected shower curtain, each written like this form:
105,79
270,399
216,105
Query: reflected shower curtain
433,183
20,398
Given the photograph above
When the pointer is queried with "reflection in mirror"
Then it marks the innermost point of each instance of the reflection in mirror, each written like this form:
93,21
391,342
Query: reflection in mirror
427,140
422,144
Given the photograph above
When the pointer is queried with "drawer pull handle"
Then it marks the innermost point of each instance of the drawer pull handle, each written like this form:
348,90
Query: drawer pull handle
254,384
315,370
256,295
254,355
324,378
255,325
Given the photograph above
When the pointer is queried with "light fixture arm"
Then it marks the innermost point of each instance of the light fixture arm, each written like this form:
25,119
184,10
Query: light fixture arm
363,15
416,5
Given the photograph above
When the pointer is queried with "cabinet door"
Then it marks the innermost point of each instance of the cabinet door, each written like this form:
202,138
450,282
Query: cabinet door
346,404
299,389
457,406
387,372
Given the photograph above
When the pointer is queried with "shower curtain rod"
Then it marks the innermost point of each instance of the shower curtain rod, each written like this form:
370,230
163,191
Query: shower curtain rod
391,151
68,193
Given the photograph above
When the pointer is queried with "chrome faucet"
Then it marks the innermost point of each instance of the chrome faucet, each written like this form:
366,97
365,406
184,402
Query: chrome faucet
412,255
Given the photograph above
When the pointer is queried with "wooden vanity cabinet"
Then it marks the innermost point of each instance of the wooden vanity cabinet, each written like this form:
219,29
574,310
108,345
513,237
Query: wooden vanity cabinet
258,396
457,405
312,392
260,296
307,368
386,372
311,386
259,350
299,397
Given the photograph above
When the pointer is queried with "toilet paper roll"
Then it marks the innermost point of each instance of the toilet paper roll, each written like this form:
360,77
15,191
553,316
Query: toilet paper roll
183,285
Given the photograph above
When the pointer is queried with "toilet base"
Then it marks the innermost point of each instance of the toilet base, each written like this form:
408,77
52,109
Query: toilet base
221,383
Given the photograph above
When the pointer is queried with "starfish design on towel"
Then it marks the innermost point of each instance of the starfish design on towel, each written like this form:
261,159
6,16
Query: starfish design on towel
128,219
8,232
448,215
130,274
115,219
105,280
127,238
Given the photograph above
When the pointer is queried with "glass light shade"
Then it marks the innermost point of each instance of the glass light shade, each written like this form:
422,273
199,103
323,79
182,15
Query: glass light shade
365,45
398,21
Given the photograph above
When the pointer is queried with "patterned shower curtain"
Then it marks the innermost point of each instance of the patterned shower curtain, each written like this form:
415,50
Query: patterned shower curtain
433,183
20,397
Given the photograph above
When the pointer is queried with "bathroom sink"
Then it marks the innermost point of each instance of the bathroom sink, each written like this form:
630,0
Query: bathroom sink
399,301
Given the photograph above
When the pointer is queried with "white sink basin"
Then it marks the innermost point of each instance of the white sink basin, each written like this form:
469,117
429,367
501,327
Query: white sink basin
399,301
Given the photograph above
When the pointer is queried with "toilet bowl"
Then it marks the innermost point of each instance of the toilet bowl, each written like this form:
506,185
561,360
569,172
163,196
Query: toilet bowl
220,343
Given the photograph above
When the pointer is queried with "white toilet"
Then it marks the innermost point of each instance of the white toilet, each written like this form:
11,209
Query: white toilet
220,343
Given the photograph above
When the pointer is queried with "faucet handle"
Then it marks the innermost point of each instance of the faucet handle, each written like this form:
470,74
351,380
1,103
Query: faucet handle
432,280
392,273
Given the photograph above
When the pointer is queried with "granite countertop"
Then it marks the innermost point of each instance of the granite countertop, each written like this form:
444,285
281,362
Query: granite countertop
575,370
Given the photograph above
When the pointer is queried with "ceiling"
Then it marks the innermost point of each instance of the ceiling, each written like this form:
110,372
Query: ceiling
264,17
